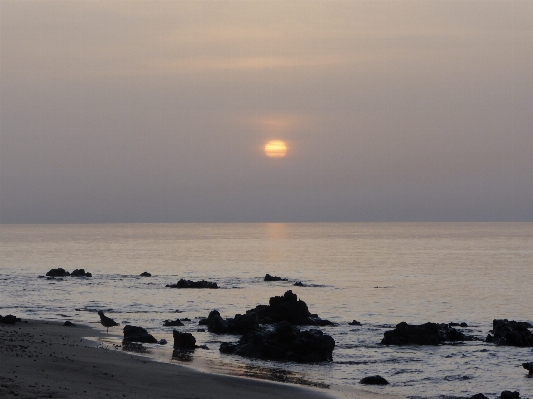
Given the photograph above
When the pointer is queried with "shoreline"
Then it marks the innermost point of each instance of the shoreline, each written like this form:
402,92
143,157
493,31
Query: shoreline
47,359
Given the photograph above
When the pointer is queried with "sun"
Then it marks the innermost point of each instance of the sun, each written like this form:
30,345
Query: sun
275,149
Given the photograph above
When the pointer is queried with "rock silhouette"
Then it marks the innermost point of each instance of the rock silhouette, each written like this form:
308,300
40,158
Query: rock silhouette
268,277
80,273
137,334
511,333
182,283
59,272
423,334
374,380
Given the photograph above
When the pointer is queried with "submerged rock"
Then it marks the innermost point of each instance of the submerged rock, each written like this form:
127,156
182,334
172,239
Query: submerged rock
374,380
355,323
268,277
137,334
299,284
512,333
284,342
80,273
193,284
145,274
59,272
423,334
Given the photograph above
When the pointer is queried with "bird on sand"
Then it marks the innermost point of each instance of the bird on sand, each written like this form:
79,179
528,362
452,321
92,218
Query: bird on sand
106,321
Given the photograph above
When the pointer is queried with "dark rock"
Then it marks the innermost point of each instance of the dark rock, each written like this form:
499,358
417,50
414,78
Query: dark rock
299,284
528,367
185,319
284,342
145,274
203,322
184,341
200,330
69,324
54,278
137,334
512,333
489,338
423,334
9,319
268,277
173,323
355,323
80,273
478,396
374,380
510,395
240,324
193,284
453,324
60,272
463,324
162,342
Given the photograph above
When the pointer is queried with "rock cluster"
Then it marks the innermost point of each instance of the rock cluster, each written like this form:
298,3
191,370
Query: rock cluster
511,333
423,334
60,272
193,284
137,334
284,342
80,273
268,277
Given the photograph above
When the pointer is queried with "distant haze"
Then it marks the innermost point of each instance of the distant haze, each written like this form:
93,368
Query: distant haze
160,111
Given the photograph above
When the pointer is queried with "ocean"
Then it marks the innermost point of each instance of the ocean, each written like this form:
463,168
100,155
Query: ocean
377,273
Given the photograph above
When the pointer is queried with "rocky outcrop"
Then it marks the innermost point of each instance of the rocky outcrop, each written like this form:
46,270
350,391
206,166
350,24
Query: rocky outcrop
511,333
528,367
240,324
193,284
183,341
173,323
287,308
80,273
268,277
355,323
145,274
9,319
374,380
423,334
284,342
137,334
60,272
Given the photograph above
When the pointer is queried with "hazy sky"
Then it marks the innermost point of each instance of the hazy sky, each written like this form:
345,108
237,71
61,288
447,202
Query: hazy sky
160,111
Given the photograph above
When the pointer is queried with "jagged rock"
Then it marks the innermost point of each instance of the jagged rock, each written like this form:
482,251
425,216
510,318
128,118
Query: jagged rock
478,396
240,324
80,273
193,284
145,274
137,334
183,341
60,272
423,334
69,324
9,319
510,395
173,323
284,342
528,367
355,323
268,277
374,380
512,333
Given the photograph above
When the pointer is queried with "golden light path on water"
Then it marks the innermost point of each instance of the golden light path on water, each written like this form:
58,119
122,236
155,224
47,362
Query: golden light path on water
275,149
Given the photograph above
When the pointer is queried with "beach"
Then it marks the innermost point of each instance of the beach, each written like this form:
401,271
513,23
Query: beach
47,359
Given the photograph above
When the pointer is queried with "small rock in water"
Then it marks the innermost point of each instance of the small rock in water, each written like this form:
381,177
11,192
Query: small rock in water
69,324
478,396
59,272
299,284
512,333
80,273
173,323
510,395
268,277
145,274
374,380
162,341
355,323
528,367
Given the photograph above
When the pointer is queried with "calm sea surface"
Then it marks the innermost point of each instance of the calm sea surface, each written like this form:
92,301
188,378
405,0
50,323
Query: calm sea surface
379,274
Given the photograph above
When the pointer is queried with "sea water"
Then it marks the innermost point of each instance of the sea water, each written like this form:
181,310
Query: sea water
379,274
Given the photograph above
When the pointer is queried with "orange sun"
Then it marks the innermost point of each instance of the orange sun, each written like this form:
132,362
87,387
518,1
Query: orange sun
275,149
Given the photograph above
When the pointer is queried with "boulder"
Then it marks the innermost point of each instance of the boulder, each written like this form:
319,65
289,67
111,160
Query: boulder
268,277
183,341
80,273
374,380
173,323
510,395
9,319
240,324
193,284
284,342
145,274
137,334
423,334
528,367
60,272
512,333
355,323
69,324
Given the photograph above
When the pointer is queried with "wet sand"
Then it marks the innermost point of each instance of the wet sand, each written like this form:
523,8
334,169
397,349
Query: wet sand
46,359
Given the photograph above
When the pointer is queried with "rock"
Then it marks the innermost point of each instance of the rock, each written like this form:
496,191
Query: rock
489,338
185,319
374,380
162,342
512,333
510,395
452,324
268,277
9,319
355,323
463,324
193,284
145,274
173,323
528,367
60,272
137,334
69,324
423,334
284,342
299,284
240,324
183,341
200,330
478,396
80,273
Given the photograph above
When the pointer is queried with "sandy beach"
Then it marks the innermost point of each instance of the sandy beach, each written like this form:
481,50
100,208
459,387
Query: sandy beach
46,359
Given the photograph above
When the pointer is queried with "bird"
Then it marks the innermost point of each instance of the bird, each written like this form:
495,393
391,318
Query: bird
106,321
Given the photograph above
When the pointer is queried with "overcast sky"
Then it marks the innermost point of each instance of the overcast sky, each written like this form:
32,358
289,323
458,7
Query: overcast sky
160,111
